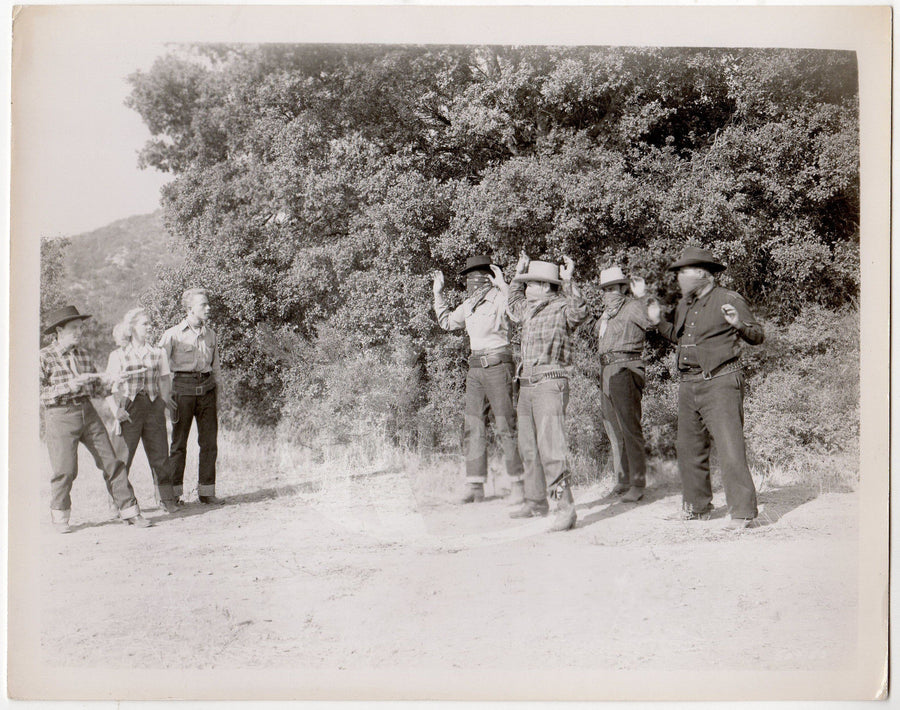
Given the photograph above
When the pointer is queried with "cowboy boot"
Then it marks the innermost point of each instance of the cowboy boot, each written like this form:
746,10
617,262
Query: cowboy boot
516,493
474,494
635,493
565,512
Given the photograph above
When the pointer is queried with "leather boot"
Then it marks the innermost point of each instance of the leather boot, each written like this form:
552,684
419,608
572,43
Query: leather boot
516,493
565,514
474,494
634,494
532,509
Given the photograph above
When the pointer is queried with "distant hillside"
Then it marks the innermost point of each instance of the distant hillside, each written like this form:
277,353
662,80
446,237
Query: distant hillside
108,269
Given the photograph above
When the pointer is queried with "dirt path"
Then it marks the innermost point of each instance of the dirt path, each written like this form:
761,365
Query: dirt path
361,574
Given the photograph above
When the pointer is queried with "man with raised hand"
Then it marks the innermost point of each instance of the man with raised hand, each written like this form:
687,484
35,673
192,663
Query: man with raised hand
489,381
621,332
549,307
709,326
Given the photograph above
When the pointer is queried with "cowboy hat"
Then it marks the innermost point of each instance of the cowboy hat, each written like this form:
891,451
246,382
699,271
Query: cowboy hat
541,271
476,262
695,256
61,316
612,276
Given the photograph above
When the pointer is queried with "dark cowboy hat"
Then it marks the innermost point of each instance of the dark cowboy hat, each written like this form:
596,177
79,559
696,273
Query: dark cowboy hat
695,256
476,262
61,316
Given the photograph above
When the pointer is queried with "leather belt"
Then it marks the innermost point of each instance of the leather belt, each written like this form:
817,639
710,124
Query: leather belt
74,402
485,361
610,358
549,375
180,386
723,369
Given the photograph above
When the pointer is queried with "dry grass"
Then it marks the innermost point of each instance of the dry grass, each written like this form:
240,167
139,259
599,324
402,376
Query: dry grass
254,459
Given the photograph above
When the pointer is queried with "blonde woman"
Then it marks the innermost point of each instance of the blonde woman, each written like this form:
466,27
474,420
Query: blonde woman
141,399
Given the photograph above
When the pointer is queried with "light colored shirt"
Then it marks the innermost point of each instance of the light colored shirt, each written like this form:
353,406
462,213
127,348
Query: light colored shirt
190,349
485,320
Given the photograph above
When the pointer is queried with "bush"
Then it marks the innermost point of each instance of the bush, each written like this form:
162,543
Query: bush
804,401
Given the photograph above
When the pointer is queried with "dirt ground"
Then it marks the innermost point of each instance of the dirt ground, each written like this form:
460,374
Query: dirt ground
372,572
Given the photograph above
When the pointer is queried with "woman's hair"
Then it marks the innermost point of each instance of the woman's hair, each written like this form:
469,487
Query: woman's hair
122,332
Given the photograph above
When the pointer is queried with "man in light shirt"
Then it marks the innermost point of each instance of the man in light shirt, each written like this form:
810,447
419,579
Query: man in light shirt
489,381
191,348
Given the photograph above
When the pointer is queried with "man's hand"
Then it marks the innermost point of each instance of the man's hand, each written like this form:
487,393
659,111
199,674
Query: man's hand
731,315
638,286
522,263
496,278
170,402
654,314
438,285
122,415
568,268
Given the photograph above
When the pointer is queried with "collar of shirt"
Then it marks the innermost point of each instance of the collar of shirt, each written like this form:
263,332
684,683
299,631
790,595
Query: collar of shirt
140,350
700,300
200,332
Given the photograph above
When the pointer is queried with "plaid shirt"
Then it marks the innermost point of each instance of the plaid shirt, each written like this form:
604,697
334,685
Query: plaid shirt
58,385
547,325
154,363
625,331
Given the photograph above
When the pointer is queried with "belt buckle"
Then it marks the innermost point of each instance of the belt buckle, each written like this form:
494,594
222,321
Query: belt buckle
483,359
198,391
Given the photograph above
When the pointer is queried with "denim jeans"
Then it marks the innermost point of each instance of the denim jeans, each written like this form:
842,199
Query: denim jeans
714,409
66,426
490,388
148,424
203,409
542,434
621,409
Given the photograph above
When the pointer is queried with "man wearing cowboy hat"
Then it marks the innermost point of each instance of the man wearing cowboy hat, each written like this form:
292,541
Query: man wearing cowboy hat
709,325
489,380
621,331
68,381
549,306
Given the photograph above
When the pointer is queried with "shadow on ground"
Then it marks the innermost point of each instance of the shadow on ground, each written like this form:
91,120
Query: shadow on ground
775,503
613,505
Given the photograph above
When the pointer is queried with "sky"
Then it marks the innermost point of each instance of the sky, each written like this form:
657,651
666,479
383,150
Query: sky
77,169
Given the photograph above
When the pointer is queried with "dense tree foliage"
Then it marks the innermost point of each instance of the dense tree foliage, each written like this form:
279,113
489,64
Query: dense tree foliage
317,187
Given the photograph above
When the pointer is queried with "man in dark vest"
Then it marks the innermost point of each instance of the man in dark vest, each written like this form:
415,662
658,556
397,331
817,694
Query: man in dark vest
709,325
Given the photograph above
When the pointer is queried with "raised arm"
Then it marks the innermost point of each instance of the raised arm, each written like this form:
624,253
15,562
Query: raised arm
576,307
738,315
447,319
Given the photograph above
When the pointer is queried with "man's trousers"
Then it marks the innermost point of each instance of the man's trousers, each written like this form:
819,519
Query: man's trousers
542,435
714,408
620,405
203,409
65,427
490,387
